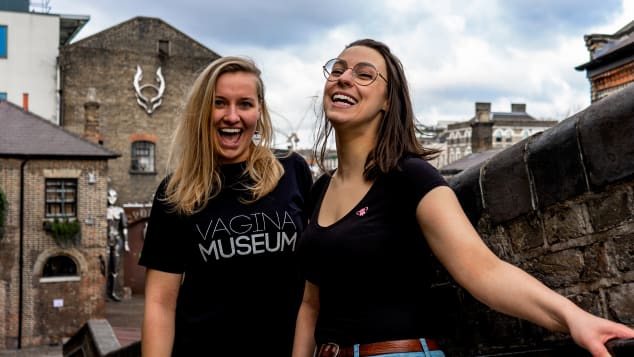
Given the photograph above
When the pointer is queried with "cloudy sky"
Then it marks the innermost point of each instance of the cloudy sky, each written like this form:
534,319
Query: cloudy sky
455,52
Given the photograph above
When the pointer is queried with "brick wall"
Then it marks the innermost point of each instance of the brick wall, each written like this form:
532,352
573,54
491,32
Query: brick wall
608,82
108,63
560,205
84,298
9,259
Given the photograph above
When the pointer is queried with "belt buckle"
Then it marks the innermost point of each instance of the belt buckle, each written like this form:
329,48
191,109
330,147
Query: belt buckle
329,347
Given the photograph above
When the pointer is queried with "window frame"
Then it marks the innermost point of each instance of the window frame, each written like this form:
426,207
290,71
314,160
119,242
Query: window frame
136,148
62,200
498,136
163,47
4,41
62,258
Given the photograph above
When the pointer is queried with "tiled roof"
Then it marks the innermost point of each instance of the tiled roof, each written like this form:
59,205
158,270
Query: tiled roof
25,134
511,116
498,116
466,162
617,46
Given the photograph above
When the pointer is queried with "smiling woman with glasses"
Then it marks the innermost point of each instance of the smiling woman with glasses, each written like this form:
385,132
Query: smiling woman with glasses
384,220
363,73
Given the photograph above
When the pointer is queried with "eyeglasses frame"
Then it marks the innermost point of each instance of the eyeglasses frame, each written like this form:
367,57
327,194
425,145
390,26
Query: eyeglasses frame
327,73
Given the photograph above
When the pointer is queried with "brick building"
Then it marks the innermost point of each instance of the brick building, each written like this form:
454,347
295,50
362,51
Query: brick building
486,134
50,284
137,75
611,65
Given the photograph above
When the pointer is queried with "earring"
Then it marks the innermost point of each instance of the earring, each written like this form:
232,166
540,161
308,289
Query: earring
256,138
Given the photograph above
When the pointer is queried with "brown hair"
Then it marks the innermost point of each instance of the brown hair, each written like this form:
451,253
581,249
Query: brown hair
396,136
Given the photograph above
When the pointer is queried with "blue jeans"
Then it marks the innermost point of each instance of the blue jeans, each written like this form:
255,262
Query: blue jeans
426,352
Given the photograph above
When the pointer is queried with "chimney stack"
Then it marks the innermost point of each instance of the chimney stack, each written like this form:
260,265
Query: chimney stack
518,108
91,117
482,128
482,112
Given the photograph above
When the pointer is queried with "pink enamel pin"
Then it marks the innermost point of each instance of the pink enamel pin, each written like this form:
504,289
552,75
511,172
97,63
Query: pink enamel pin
362,211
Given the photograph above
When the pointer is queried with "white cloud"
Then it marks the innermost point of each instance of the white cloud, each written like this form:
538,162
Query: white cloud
455,52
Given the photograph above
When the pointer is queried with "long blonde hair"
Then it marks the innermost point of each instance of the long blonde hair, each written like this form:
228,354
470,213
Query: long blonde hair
195,168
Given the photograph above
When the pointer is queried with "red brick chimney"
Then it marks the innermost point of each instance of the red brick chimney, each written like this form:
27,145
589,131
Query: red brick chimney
91,118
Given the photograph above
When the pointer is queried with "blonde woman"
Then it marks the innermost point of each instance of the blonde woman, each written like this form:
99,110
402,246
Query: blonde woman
220,246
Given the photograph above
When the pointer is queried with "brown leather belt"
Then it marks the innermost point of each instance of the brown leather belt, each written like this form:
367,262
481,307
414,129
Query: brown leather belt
377,348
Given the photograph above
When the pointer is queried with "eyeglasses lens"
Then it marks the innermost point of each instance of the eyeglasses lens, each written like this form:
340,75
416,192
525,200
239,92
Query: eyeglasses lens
362,73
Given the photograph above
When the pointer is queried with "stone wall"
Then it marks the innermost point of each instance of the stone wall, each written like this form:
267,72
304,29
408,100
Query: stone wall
560,205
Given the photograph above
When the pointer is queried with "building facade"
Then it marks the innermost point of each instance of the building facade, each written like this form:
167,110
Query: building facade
52,250
489,131
29,43
136,75
611,65
117,99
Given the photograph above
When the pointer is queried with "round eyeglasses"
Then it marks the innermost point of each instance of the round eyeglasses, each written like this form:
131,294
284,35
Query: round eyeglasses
363,73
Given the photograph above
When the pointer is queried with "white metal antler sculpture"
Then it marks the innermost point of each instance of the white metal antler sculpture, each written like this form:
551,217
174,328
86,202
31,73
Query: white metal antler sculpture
149,105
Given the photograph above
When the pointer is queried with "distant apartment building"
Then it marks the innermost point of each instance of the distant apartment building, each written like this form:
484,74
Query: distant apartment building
491,130
487,133
611,65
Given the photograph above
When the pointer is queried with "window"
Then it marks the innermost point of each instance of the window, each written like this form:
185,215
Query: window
498,136
59,265
142,157
61,198
164,47
3,95
3,41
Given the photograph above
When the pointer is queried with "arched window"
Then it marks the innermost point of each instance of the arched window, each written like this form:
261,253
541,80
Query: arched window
509,136
498,136
142,156
59,266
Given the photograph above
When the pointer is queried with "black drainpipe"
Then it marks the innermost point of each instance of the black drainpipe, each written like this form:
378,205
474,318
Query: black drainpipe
21,255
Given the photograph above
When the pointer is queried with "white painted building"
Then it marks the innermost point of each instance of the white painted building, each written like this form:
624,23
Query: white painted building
29,45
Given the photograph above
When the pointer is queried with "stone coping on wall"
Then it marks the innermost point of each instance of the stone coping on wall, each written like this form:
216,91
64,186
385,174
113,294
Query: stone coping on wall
583,153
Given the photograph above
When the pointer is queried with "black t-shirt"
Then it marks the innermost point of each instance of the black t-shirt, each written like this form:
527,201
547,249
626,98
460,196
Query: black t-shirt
373,266
241,285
